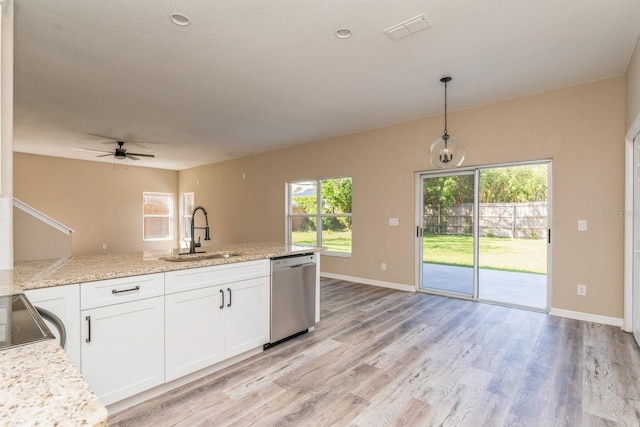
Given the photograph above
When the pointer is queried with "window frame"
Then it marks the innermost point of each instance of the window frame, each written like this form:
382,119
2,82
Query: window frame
185,218
170,234
318,215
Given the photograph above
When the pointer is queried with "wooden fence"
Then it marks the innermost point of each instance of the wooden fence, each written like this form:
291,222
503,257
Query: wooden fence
516,220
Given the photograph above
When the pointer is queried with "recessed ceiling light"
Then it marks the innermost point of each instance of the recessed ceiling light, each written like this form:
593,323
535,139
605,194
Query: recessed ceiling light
179,19
343,33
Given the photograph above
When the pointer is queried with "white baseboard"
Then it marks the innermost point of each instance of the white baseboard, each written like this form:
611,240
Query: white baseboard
587,317
577,315
391,285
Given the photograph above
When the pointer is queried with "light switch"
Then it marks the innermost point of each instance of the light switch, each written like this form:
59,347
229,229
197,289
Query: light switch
582,225
394,222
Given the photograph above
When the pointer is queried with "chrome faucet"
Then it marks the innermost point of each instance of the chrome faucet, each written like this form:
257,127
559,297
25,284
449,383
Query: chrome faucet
194,244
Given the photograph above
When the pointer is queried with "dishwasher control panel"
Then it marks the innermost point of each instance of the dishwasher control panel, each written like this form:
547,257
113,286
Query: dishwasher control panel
292,261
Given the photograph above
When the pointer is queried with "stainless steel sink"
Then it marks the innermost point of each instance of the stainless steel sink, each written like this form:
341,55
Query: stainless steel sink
201,256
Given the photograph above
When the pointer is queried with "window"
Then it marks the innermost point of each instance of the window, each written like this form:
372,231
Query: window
319,214
157,216
187,203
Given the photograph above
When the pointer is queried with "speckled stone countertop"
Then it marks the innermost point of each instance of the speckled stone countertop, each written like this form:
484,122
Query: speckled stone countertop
43,274
39,385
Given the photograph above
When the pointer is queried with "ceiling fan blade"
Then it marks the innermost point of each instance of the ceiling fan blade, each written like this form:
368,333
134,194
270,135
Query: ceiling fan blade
129,156
101,136
141,154
91,150
129,139
105,155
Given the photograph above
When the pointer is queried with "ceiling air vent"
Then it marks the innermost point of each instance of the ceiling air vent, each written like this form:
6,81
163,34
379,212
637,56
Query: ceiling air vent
408,27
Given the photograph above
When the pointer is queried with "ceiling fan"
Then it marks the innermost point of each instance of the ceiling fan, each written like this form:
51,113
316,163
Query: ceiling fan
120,153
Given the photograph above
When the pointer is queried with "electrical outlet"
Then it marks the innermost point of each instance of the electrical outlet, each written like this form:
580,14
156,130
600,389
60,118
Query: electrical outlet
104,246
582,225
582,290
383,266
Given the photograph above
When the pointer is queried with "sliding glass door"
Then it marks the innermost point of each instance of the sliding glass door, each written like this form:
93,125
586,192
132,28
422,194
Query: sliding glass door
447,244
513,235
483,234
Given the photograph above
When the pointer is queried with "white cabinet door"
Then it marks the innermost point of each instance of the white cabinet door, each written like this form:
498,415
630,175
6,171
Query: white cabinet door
246,315
64,302
123,348
205,326
194,331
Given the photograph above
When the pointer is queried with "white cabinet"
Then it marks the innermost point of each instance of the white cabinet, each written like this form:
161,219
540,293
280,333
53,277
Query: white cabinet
132,334
194,331
64,302
246,315
205,277
215,313
123,335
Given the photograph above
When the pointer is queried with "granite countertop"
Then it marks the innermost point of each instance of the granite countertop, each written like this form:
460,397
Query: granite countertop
47,273
39,385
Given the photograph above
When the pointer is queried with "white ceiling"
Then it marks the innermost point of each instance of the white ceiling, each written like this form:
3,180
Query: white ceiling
253,75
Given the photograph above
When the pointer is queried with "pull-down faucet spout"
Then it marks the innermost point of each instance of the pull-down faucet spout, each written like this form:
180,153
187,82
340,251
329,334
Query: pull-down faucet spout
194,245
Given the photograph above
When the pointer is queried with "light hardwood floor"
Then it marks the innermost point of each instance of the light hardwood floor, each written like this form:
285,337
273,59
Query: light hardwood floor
385,357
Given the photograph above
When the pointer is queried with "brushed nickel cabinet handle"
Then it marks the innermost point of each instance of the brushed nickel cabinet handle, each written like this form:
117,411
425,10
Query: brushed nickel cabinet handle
222,293
229,305
137,288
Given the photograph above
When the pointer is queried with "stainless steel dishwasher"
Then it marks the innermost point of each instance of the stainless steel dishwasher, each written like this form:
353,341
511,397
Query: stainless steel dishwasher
293,297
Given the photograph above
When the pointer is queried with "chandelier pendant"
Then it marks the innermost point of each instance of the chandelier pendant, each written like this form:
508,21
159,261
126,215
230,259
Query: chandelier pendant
446,151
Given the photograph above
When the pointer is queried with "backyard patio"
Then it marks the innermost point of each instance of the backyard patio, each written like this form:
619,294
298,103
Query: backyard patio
508,287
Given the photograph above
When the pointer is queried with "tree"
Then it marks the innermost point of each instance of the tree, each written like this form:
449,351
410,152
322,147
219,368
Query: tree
336,195
517,184
448,190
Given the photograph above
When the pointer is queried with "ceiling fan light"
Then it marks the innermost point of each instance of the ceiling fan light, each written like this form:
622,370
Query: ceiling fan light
446,154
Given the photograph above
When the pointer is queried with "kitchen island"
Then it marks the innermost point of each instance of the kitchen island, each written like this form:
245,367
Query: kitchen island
39,383
46,273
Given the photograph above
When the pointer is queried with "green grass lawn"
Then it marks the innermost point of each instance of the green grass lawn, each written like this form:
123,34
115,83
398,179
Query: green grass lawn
497,253
335,241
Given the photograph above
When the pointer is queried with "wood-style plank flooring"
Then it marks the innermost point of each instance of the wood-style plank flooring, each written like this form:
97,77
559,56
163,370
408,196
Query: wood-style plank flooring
385,357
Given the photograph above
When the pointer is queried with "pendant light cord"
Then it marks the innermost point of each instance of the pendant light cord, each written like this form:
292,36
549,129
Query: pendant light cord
445,108
445,80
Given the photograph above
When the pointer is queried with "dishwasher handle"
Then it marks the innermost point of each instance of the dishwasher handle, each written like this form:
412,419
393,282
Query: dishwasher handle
293,262
291,267
302,265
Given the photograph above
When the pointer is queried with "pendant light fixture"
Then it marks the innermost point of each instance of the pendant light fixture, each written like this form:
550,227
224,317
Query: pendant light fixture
446,151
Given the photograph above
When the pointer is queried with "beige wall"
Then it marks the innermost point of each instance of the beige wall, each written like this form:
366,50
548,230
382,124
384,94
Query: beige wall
35,239
100,202
633,86
103,204
570,126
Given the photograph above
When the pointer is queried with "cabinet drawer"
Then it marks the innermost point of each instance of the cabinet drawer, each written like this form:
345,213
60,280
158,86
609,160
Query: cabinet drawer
195,278
116,291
